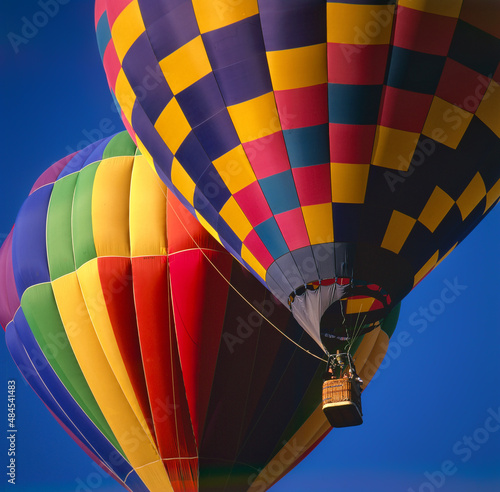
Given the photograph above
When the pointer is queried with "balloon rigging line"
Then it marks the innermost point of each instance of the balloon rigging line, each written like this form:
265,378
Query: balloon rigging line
228,281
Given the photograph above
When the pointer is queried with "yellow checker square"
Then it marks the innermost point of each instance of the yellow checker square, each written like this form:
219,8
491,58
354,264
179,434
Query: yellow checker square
431,263
182,181
319,223
397,232
472,195
299,67
214,15
449,8
393,148
255,118
436,208
446,123
361,305
125,95
142,151
172,125
492,196
127,27
235,169
349,182
247,256
235,218
359,24
186,65
489,108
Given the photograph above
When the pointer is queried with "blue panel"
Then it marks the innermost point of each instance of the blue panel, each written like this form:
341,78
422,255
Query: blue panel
213,188
354,104
192,157
244,80
29,252
169,25
201,101
146,78
280,192
217,135
414,71
308,146
288,24
103,33
271,236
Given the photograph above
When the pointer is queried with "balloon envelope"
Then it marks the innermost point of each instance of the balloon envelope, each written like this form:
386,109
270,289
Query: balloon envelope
339,150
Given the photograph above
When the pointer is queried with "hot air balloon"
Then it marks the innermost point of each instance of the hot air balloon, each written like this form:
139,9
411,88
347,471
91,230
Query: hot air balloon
339,150
163,358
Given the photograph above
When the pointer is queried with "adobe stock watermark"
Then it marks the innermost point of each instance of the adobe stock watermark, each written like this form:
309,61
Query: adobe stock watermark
30,27
464,448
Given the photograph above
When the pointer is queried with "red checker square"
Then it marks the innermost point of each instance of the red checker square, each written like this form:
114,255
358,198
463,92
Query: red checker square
351,144
114,9
100,7
129,128
404,110
307,106
357,63
422,31
293,228
111,64
267,155
252,201
255,245
461,86
313,184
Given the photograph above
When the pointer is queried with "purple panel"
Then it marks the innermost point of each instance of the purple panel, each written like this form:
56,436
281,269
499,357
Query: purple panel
29,252
9,300
52,173
91,153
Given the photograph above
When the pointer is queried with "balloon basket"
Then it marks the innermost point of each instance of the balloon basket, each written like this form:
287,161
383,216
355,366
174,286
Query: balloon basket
342,402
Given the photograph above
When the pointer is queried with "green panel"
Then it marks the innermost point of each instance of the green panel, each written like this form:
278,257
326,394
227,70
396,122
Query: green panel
83,237
391,320
40,308
59,244
120,144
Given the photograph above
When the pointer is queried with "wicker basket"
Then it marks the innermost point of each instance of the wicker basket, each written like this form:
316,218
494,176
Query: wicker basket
342,402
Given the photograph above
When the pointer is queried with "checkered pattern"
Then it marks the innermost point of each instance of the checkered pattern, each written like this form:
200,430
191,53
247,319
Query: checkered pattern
286,125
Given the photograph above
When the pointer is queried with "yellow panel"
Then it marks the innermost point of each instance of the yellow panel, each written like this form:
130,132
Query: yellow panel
450,8
207,226
355,306
488,111
377,354
110,206
247,256
394,148
255,118
213,15
127,28
359,24
138,447
319,223
182,181
436,208
365,348
236,219
172,125
492,195
299,67
124,95
93,296
446,123
148,211
443,257
397,231
471,196
235,169
426,268
349,182
186,65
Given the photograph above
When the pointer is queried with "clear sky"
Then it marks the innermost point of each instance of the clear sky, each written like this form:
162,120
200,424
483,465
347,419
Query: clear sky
432,414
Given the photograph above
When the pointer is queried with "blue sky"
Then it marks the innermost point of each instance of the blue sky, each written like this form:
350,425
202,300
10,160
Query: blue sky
432,414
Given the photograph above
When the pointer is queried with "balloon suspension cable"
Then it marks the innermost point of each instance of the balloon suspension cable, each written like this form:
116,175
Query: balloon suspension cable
229,282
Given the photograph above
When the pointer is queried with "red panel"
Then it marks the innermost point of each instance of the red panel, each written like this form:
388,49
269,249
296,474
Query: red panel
461,86
313,184
115,274
404,110
254,243
114,9
253,203
357,63
268,154
293,228
307,106
111,64
352,144
421,31
163,372
199,296
100,7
